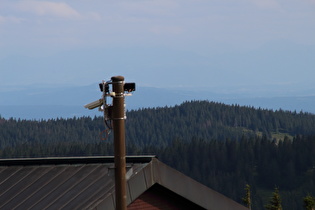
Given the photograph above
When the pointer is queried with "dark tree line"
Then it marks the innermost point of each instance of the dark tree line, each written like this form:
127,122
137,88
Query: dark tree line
225,165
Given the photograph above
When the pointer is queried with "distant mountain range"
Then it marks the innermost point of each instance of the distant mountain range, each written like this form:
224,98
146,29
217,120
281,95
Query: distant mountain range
37,102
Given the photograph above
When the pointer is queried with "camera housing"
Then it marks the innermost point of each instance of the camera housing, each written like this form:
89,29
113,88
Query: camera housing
94,104
129,87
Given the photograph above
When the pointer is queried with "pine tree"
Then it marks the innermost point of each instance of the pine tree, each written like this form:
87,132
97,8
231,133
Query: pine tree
309,202
275,202
247,198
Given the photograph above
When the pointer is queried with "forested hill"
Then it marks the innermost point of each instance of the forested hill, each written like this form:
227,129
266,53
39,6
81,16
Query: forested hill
210,120
221,146
160,126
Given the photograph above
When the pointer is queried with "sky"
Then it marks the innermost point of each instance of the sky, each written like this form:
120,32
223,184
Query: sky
227,45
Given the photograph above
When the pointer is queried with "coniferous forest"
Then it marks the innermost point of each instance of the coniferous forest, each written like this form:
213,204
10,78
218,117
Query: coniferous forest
222,146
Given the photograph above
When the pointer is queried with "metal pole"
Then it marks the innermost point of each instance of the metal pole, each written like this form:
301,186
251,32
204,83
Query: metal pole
118,117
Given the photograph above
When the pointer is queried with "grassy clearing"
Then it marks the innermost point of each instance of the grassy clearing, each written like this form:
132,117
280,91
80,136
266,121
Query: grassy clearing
280,136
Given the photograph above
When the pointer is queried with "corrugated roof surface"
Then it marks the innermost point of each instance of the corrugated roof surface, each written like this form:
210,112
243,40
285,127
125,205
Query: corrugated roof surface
58,184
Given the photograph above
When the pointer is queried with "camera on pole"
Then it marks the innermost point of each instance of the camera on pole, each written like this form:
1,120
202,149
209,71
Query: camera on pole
114,118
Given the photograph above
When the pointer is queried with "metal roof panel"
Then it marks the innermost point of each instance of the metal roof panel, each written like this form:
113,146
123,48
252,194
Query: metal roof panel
88,183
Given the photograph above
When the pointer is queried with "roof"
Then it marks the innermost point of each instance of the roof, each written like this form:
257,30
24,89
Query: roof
88,183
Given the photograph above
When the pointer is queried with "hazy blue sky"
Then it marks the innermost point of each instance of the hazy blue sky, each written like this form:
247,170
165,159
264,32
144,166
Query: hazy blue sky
171,43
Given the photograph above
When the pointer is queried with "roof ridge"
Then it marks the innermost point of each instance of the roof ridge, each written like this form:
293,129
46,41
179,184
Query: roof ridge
72,160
